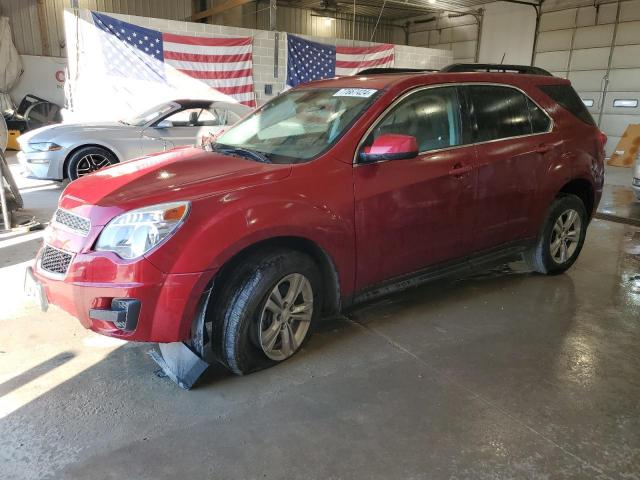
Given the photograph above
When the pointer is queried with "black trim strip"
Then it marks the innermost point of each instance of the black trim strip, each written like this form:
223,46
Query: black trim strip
379,157
462,266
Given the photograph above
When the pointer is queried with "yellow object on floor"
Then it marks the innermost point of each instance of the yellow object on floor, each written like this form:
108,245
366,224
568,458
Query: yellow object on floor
12,141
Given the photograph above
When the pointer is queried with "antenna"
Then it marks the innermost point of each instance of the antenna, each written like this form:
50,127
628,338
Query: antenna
503,55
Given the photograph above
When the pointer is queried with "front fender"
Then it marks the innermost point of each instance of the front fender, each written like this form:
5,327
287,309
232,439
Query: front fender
221,226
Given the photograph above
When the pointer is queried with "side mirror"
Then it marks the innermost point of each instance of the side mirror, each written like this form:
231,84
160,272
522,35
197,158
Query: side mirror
390,146
164,124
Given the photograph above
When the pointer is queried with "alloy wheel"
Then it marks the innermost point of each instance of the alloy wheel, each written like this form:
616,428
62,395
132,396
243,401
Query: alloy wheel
286,317
90,163
565,236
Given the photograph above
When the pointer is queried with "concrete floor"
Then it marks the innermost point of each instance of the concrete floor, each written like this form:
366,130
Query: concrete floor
503,375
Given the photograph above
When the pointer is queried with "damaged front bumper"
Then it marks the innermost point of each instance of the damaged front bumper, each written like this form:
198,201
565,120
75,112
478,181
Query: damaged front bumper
99,290
184,362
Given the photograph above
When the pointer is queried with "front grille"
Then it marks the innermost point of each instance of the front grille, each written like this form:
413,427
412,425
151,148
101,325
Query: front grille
72,221
55,261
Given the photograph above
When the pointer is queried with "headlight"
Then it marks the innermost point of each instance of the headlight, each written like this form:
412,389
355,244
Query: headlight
134,233
44,146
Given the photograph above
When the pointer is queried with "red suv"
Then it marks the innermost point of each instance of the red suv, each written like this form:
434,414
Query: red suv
332,193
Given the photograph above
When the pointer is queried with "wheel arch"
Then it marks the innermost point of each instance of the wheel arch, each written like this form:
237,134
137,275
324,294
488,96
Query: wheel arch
326,265
85,145
583,189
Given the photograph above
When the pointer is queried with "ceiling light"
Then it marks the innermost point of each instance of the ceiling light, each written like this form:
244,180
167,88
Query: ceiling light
432,2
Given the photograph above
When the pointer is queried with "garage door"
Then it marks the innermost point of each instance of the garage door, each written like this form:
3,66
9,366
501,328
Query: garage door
587,45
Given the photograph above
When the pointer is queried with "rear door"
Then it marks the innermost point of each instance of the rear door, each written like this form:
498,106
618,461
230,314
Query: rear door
416,212
514,140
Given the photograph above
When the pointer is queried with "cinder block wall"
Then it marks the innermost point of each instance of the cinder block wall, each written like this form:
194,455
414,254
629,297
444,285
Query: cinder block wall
264,49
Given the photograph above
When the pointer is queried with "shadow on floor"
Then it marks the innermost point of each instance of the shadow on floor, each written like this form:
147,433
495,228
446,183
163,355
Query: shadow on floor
35,372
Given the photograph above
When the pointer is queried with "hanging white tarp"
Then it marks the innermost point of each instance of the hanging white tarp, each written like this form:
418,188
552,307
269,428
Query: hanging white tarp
117,69
10,64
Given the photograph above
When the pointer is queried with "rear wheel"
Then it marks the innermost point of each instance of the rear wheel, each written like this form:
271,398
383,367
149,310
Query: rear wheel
562,236
266,310
88,160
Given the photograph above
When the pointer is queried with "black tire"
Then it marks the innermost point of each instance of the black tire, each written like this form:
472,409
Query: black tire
240,300
89,158
540,257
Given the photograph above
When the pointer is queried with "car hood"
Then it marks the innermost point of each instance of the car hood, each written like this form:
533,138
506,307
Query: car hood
186,173
51,132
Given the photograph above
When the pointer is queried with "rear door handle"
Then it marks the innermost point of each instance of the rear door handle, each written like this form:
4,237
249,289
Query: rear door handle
459,169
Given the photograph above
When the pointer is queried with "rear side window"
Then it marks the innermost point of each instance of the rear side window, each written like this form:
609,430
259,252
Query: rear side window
540,122
567,97
498,112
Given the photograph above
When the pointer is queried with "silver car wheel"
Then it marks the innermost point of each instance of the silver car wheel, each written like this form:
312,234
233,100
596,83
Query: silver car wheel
90,163
565,236
286,317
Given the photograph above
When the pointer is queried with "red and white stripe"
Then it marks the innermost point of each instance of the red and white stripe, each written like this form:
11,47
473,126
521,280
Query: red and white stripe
224,64
350,60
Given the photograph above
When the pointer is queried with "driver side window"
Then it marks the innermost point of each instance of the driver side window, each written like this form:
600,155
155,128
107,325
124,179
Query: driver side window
190,117
432,116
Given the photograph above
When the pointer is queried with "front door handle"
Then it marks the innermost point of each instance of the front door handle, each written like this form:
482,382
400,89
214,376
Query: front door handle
543,148
459,170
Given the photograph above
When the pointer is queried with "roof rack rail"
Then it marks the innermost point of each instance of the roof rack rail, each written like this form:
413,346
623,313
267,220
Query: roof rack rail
495,67
378,70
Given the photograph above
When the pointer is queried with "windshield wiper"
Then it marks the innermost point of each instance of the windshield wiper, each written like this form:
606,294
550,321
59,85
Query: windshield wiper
244,152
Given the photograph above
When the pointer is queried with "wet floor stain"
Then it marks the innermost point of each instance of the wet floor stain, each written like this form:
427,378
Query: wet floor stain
619,204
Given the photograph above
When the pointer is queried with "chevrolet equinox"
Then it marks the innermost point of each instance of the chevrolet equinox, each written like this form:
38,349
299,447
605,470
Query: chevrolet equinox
333,193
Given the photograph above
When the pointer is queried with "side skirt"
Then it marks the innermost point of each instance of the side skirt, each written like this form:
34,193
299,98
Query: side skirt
456,268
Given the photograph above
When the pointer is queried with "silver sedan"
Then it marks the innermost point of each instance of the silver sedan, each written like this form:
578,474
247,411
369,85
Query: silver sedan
70,151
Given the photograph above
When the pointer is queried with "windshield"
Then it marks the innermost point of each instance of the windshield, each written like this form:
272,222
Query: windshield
300,124
150,115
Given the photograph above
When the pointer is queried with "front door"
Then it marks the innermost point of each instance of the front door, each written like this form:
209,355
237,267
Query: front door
416,212
180,128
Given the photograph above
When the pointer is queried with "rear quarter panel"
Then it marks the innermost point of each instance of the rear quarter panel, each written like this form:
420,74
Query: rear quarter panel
580,156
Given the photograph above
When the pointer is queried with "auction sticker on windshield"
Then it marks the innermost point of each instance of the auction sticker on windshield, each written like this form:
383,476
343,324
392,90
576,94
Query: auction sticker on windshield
355,92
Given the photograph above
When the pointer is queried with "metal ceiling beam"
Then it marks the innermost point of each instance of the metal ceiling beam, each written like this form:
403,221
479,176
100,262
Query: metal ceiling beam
428,8
520,2
362,18
219,8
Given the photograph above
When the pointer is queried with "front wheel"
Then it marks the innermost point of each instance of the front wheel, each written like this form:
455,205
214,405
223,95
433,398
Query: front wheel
562,236
266,311
88,160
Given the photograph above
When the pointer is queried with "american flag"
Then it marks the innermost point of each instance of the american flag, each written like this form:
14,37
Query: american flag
308,61
224,64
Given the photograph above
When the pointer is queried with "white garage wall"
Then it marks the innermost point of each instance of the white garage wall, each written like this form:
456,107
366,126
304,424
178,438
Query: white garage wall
598,49
507,30
459,34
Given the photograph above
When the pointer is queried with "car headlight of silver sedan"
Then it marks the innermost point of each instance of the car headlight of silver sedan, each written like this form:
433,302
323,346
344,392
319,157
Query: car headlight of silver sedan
43,147
134,233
